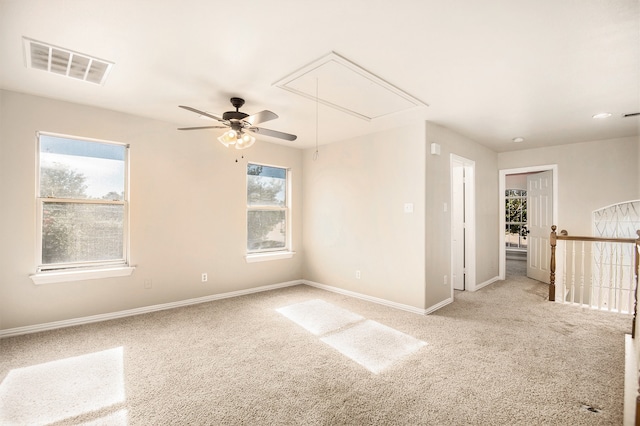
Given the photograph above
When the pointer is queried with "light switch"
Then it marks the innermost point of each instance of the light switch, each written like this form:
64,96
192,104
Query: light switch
408,207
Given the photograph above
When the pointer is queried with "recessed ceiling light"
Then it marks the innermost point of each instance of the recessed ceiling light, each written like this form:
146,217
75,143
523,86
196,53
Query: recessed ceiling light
602,115
518,140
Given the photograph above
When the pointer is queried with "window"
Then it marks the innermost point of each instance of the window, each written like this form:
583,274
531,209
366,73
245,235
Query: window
516,218
82,201
267,209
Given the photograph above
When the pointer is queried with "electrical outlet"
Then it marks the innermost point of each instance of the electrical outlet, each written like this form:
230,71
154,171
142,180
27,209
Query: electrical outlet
204,277
147,283
358,275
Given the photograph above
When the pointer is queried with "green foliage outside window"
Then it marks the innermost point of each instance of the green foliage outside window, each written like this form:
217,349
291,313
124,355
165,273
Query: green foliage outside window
76,232
267,204
81,188
516,217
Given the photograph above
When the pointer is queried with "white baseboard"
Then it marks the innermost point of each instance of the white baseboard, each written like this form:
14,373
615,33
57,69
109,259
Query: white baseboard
486,283
438,306
164,306
137,311
377,300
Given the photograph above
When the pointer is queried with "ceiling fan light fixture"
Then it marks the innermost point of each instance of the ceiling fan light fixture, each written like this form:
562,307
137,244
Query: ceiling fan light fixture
240,139
222,140
602,115
238,122
245,141
228,138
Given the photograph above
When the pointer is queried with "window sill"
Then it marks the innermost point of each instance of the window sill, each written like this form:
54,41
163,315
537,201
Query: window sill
264,257
80,275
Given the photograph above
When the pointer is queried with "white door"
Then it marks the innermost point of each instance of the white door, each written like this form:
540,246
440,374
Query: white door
457,226
539,221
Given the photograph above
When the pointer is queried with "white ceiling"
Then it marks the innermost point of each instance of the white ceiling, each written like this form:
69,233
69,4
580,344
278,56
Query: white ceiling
490,70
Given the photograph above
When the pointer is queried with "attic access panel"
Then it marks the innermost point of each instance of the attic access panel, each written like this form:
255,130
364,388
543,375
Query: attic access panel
343,85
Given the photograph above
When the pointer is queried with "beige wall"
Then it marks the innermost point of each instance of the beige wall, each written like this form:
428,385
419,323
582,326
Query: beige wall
186,193
591,175
188,200
638,165
354,219
518,181
438,222
187,214
353,214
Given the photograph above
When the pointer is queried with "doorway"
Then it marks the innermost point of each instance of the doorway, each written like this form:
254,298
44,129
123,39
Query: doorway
542,212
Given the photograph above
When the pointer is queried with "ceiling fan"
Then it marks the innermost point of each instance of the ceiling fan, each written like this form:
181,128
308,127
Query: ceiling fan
240,125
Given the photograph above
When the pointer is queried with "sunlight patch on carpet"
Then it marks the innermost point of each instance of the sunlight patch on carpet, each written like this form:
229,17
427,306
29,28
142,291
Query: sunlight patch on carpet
374,346
318,316
58,390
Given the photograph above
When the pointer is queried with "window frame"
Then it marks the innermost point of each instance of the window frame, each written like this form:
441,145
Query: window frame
273,253
510,194
69,271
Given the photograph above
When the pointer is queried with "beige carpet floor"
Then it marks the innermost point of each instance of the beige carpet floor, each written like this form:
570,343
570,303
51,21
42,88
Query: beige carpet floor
303,356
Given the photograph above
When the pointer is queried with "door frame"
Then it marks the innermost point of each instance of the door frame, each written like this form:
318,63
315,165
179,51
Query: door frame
469,219
502,187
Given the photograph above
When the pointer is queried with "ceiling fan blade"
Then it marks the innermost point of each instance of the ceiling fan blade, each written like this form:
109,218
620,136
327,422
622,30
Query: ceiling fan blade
273,133
206,114
202,127
261,117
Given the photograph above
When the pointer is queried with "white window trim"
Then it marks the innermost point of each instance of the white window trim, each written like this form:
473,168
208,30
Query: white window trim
48,274
267,256
277,254
80,275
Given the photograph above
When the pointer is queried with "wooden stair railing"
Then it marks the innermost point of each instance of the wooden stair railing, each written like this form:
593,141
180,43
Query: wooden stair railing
564,236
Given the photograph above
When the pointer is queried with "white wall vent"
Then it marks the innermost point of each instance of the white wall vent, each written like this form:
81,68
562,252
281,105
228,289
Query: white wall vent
57,60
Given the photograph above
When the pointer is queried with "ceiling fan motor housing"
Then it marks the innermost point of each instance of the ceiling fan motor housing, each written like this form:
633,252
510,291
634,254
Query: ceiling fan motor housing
236,121
235,115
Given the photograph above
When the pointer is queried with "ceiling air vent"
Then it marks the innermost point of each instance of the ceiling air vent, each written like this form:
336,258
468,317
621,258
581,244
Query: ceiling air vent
57,60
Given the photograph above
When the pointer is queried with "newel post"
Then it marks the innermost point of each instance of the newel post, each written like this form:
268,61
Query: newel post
552,266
